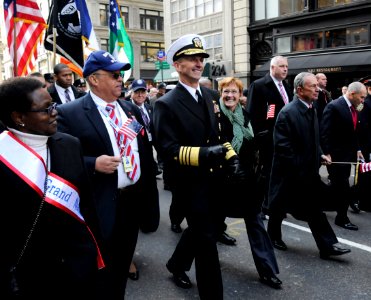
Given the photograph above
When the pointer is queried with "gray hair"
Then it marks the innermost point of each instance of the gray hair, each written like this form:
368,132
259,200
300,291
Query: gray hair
300,80
355,87
276,59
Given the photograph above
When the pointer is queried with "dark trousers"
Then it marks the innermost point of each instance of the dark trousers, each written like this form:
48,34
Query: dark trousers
198,243
261,246
341,193
321,229
119,249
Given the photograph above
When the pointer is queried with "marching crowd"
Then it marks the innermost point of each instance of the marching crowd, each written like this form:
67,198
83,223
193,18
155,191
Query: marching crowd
80,166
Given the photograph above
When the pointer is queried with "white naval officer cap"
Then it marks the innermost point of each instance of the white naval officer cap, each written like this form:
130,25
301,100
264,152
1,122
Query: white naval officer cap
186,45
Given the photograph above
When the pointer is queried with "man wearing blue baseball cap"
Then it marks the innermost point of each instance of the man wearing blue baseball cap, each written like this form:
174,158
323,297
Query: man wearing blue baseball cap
119,159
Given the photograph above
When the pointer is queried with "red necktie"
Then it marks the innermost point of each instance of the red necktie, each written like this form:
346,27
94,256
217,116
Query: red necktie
282,91
354,116
121,141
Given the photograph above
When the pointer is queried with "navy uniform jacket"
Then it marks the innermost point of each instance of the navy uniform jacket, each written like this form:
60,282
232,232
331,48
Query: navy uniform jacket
180,121
83,120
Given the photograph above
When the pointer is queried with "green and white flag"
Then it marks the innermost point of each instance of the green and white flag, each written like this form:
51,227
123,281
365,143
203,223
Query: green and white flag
119,42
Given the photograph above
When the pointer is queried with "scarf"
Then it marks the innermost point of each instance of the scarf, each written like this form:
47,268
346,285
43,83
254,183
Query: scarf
238,121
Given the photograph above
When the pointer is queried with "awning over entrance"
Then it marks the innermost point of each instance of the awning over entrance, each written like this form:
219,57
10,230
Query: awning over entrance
167,75
325,63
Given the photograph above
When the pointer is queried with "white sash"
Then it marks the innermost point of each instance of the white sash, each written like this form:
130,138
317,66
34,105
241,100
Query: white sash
32,169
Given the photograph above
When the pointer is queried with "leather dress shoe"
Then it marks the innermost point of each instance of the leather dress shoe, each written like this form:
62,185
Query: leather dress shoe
354,205
134,275
180,277
333,251
176,228
347,225
226,239
279,244
271,280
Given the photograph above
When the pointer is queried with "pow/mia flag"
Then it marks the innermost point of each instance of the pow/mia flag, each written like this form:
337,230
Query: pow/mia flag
65,20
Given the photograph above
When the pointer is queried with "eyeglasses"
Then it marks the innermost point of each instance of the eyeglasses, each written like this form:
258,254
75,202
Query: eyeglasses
234,92
49,110
113,75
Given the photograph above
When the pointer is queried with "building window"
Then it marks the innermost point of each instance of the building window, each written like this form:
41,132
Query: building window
104,44
213,46
268,9
183,10
283,44
103,14
308,41
151,20
331,3
125,15
149,51
350,36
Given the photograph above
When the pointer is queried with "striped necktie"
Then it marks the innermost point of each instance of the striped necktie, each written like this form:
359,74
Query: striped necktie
283,94
67,95
123,144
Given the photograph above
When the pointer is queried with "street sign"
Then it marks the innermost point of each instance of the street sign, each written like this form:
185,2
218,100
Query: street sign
161,55
162,65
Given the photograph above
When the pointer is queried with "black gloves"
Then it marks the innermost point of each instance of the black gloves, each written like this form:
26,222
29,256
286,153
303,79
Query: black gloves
212,156
235,172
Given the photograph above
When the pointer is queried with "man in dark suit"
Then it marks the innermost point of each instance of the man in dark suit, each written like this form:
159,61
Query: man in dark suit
62,90
187,135
324,96
138,97
339,140
120,163
266,97
295,181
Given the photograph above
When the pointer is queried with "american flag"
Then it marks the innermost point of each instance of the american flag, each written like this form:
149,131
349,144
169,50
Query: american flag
365,167
23,20
271,110
131,128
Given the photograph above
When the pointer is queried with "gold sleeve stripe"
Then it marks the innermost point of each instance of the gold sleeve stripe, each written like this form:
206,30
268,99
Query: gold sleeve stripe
188,156
230,151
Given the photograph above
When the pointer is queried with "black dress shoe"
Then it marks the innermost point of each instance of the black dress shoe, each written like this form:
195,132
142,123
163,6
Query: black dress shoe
333,251
176,228
279,244
134,275
180,278
226,239
271,280
347,225
354,205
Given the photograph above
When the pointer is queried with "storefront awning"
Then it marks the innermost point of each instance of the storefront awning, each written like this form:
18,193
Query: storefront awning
325,63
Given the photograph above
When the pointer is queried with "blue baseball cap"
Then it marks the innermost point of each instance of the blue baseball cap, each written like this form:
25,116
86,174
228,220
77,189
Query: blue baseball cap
103,60
138,84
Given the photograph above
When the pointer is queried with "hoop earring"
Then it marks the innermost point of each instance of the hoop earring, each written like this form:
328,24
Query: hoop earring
21,124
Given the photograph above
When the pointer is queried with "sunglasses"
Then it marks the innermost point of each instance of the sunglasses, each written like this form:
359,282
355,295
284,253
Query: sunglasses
49,110
113,75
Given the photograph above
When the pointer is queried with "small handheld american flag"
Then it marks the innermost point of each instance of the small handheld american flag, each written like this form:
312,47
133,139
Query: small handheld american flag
271,111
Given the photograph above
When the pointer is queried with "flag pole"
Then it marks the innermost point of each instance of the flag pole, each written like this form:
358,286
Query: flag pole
54,46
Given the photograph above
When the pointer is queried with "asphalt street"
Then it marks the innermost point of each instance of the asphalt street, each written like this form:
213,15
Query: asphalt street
305,276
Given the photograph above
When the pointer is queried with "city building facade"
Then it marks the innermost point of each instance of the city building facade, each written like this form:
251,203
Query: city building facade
144,23
318,36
